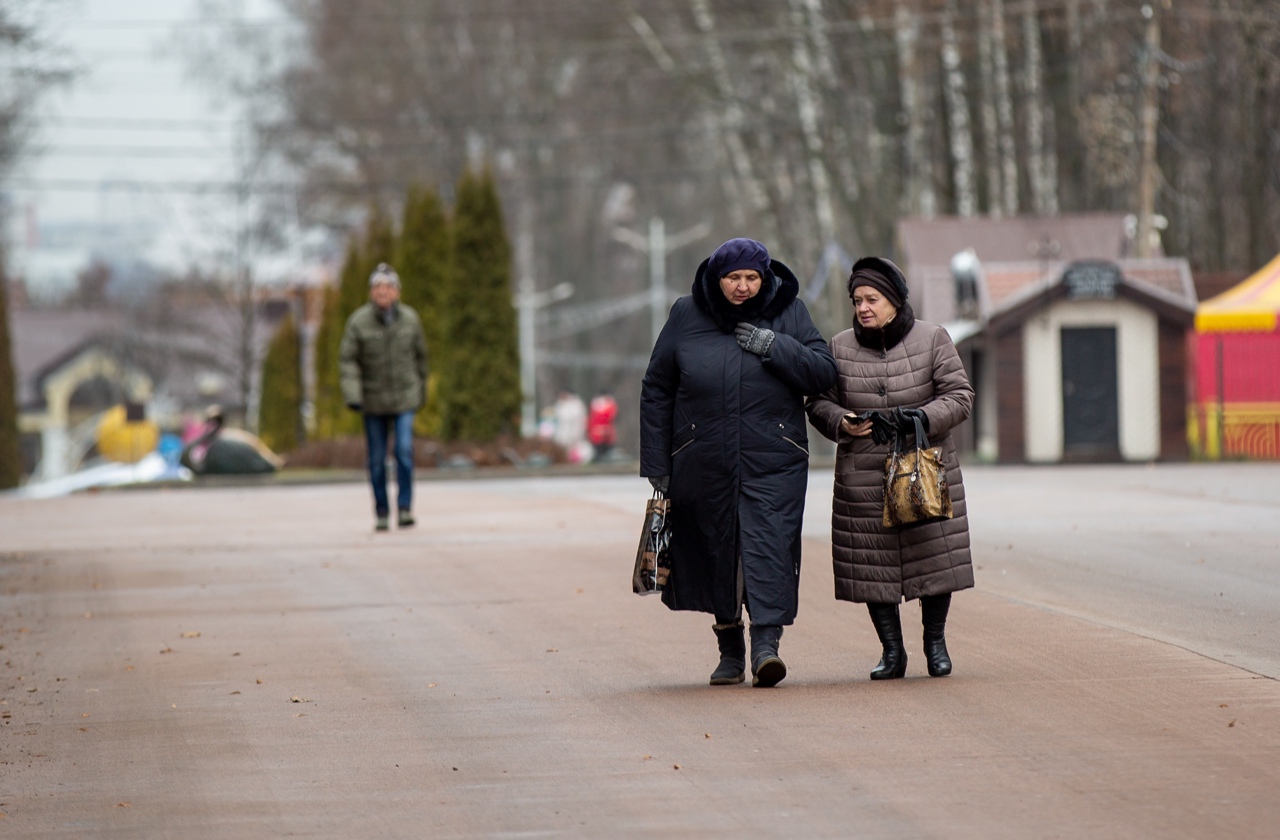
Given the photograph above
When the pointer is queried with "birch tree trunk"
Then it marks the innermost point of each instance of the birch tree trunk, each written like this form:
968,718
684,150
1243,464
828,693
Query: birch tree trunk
732,123
809,110
1044,200
987,110
1004,111
961,140
919,199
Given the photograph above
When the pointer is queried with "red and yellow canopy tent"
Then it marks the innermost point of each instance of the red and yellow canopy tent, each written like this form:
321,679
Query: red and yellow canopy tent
1236,409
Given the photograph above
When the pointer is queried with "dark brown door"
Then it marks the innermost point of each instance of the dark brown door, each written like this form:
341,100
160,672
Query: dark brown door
1090,395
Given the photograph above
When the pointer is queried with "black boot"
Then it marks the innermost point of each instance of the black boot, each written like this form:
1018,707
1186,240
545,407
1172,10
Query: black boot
766,668
933,609
733,655
893,663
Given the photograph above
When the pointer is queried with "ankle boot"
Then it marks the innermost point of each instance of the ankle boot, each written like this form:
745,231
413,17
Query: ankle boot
766,668
893,662
733,655
933,610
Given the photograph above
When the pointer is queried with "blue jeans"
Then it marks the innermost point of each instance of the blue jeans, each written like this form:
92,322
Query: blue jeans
376,427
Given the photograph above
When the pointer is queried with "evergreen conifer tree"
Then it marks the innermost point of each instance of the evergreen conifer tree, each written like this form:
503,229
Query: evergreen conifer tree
10,452
481,392
330,412
280,413
424,260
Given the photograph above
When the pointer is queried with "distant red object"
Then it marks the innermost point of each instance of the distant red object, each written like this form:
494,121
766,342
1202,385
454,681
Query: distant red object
602,430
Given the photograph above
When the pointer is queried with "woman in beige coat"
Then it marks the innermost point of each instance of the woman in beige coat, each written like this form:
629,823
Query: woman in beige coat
894,369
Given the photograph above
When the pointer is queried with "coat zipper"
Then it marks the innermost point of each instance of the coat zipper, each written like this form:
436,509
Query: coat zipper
685,445
796,445
792,442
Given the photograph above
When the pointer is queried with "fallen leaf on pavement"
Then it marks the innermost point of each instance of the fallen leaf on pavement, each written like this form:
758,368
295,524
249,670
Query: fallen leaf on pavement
296,699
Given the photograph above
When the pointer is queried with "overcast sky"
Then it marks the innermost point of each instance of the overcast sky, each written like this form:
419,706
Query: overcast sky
132,137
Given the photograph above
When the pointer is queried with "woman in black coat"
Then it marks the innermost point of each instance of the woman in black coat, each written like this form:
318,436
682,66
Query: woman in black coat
722,432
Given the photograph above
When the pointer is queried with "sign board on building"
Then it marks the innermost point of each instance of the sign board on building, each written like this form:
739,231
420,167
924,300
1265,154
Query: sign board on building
1091,279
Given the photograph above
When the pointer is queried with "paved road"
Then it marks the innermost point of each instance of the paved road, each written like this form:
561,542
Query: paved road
227,663
1187,554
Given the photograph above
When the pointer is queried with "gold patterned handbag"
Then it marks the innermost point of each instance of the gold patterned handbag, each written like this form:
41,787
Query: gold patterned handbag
653,557
915,483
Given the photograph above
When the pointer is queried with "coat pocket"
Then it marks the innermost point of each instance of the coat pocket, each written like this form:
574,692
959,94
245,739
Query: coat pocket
799,441
683,438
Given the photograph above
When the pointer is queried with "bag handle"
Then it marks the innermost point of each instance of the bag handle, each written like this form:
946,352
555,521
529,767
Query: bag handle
656,523
922,437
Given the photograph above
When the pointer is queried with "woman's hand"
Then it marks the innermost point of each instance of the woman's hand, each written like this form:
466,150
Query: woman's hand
877,424
849,427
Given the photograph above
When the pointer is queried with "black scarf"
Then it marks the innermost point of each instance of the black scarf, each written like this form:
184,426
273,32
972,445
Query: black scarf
888,336
777,289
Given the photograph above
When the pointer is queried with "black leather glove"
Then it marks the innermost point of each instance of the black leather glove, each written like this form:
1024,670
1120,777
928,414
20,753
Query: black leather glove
883,428
754,339
355,406
905,420
660,482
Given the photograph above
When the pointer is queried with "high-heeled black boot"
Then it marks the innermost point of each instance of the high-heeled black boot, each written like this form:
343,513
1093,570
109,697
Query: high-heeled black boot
933,611
767,668
733,655
888,624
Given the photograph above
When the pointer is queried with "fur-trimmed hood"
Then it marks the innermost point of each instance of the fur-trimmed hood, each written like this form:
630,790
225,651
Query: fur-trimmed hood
778,288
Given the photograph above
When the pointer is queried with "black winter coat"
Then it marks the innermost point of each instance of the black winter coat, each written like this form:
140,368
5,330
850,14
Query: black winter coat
728,426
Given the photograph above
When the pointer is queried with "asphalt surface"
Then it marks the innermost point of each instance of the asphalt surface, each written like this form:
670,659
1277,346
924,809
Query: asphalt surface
255,662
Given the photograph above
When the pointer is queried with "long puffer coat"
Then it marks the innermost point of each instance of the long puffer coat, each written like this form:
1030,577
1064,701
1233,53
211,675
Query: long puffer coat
728,426
921,369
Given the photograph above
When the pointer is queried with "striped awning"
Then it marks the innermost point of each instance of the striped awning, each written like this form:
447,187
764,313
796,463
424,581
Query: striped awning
1251,306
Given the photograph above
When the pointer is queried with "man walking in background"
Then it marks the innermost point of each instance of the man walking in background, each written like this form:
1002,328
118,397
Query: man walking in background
383,365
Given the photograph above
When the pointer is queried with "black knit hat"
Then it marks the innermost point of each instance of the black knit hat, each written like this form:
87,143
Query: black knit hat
735,254
882,275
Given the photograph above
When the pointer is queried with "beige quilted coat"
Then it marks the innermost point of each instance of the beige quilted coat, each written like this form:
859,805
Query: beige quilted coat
873,563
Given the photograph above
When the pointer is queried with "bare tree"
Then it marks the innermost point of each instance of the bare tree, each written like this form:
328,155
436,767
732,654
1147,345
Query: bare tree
1044,196
961,139
919,199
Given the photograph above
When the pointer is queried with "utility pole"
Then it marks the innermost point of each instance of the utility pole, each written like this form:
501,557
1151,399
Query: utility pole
657,245
1148,171
528,300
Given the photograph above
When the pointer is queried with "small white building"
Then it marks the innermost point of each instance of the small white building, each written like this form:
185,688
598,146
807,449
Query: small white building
1076,351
